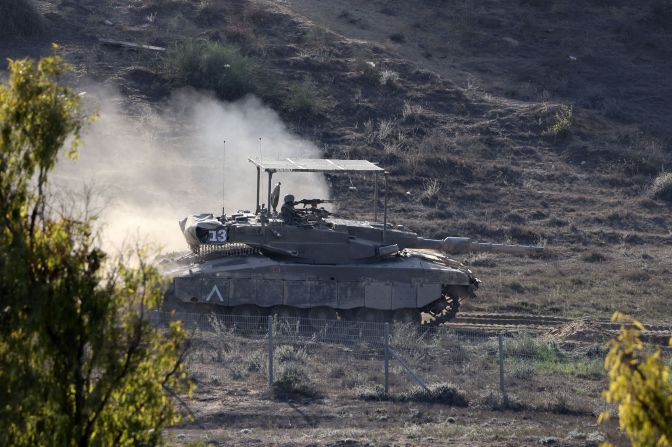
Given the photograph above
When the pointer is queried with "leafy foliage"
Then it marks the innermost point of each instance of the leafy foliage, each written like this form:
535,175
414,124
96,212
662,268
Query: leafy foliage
305,100
212,66
79,362
641,384
562,122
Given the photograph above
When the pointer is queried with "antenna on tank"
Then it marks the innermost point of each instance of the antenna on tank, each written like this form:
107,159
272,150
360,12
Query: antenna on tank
223,176
260,159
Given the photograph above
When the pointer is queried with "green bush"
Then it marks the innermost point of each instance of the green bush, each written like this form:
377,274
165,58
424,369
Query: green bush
211,66
305,99
18,18
533,349
293,379
662,187
562,122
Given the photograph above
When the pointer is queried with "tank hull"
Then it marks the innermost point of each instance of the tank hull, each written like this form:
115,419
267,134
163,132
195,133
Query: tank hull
400,282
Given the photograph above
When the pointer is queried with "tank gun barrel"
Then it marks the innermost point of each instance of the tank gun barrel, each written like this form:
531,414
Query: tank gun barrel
465,245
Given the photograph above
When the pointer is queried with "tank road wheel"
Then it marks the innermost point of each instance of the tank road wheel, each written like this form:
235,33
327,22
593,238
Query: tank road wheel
407,315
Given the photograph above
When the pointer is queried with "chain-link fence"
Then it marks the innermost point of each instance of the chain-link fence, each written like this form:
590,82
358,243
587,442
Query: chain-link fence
306,357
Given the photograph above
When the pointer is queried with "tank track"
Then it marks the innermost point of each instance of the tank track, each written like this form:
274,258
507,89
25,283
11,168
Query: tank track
438,312
442,310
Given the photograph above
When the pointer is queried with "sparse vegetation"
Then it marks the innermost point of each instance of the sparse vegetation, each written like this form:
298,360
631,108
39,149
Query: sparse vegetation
397,38
389,78
411,112
594,257
533,349
662,187
212,66
292,379
305,101
376,393
439,393
430,193
19,18
562,122
385,129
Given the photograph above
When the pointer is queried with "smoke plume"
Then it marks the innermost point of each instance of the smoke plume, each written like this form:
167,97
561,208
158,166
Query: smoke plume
151,168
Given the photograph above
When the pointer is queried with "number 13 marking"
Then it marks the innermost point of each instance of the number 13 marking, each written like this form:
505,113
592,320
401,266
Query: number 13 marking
217,236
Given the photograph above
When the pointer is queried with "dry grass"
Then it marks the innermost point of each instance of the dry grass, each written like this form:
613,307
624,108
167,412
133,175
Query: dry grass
662,187
389,78
430,193
412,112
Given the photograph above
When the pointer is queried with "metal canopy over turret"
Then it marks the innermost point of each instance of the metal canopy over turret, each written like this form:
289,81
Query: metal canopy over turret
321,165
315,165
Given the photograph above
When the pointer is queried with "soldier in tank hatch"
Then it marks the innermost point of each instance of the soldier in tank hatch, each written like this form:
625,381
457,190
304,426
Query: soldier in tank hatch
289,215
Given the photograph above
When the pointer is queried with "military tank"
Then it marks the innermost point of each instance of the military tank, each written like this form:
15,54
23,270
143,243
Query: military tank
308,262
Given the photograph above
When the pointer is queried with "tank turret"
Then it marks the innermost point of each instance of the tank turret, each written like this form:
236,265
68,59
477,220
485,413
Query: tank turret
321,240
305,261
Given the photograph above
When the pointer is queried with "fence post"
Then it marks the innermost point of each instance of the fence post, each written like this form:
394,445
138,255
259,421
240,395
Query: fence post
270,350
387,357
502,386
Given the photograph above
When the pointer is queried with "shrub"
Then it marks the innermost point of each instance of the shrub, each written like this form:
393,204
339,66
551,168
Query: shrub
530,348
562,122
289,354
366,71
293,379
305,99
523,372
212,66
640,384
411,112
372,393
430,193
397,38
662,187
389,78
594,257
440,393
18,18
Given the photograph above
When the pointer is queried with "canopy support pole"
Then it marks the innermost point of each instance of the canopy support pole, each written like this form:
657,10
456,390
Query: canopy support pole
375,197
258,187
385,211
268,203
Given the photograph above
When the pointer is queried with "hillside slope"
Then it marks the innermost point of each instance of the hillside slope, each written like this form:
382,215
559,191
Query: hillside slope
524,122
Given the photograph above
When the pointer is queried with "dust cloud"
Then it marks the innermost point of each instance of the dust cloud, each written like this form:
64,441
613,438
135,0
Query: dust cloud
151,168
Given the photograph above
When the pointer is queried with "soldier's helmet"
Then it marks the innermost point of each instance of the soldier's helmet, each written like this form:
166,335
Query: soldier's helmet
289,198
